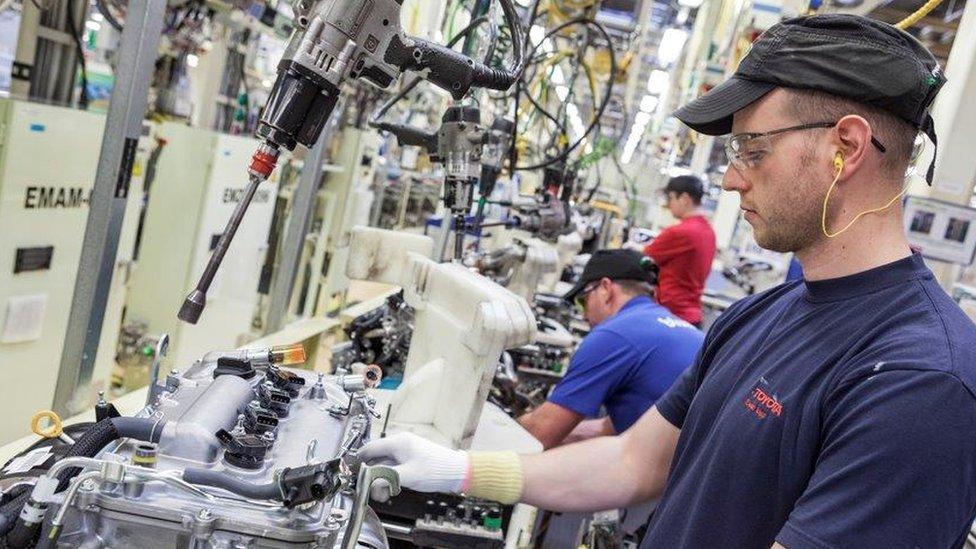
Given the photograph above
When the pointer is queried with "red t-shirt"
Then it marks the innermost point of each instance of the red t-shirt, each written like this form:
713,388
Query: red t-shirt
684,252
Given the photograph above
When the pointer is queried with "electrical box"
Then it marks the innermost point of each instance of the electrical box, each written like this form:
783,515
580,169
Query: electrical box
200,178
48,159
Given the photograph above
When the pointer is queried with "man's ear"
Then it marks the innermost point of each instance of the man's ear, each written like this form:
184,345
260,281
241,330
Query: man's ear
852,141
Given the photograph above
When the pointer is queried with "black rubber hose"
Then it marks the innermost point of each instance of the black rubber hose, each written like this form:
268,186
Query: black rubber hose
139,428
74,431
23,535
374,119
96,438
603,104
206,477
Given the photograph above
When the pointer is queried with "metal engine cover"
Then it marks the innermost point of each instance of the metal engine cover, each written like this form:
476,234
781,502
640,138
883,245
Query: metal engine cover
329,418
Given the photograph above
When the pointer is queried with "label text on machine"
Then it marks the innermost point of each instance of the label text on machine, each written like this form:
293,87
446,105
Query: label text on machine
232,196
56,197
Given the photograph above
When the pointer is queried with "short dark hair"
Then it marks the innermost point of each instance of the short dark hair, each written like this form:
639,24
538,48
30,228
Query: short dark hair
635,287
897,135
690,185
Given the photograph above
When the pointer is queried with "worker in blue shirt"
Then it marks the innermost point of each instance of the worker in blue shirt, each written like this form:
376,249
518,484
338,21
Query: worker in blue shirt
635,351
833,411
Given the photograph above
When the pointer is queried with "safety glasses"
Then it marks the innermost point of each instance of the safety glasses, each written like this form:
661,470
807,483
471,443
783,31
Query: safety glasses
746,150
580,300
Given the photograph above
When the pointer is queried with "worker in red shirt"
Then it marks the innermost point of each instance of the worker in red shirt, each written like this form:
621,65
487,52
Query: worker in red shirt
684,252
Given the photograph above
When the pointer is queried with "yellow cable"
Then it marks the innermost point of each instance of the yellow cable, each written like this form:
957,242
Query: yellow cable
918,15
823,215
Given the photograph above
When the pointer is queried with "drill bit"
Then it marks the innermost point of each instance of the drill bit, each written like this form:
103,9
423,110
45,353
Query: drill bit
262,164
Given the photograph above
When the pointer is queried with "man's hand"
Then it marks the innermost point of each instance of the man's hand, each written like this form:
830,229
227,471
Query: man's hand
421,464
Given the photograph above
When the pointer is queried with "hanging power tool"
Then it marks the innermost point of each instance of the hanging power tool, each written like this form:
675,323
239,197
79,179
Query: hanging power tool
497,144
334,41
547,213
459,145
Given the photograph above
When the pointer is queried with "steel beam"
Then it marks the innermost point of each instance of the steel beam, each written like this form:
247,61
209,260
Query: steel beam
123,127
299,221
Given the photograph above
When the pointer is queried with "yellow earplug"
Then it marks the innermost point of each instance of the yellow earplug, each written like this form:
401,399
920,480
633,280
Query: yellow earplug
839,161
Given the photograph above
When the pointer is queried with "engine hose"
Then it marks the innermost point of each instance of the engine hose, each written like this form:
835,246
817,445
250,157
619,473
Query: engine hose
250,490
92,442
74,431
23,535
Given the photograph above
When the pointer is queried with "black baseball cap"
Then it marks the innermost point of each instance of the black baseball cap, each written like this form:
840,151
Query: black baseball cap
616,265
844,55
690,184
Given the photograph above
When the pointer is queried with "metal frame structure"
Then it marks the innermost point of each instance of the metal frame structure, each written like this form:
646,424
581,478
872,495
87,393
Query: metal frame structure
299,220
127,108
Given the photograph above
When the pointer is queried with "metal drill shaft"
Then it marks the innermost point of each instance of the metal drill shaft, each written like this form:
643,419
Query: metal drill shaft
195,302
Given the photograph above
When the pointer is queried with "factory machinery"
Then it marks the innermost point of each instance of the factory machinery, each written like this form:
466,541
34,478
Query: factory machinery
237,451
240,450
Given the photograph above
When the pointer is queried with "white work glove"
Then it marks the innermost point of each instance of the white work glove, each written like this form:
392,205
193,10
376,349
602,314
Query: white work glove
421,464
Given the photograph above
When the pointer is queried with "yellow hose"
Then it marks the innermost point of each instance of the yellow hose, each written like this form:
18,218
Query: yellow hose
918,15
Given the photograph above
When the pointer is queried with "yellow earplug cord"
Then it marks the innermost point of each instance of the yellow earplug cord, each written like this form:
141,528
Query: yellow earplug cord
839,164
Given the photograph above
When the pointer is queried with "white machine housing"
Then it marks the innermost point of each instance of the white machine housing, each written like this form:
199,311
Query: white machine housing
48,159
200,178
463,322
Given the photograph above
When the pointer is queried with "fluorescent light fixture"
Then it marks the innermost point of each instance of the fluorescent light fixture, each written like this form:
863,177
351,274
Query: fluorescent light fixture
192,61
536,34
671,45
95,16
648,103
92,26
642,119
562,92
690,3
627,155
658,82
557,76
575,122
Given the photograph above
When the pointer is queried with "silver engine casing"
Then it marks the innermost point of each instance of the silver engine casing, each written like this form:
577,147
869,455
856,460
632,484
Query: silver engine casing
324,422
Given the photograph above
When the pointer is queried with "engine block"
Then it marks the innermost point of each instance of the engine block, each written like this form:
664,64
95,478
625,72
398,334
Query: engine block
249,454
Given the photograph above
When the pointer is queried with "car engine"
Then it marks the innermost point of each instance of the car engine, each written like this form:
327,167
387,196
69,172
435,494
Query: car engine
237,451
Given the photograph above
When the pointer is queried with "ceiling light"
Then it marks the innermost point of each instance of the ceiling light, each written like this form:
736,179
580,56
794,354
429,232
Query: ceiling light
658,82
648,103
557,76
192,61
671,45
536,34
92,26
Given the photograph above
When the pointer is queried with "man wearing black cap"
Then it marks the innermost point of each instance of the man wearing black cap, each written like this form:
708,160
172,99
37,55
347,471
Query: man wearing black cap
631,357
684,252
833,411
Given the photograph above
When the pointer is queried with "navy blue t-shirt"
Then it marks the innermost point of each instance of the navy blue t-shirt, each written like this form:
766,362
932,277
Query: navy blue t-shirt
835,413
627,362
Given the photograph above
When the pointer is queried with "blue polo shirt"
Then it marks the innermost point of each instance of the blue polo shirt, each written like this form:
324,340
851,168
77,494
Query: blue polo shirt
835,413
627,362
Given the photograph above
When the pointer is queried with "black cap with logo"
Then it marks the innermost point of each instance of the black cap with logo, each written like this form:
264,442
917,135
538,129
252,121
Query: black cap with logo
616,265
844,55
